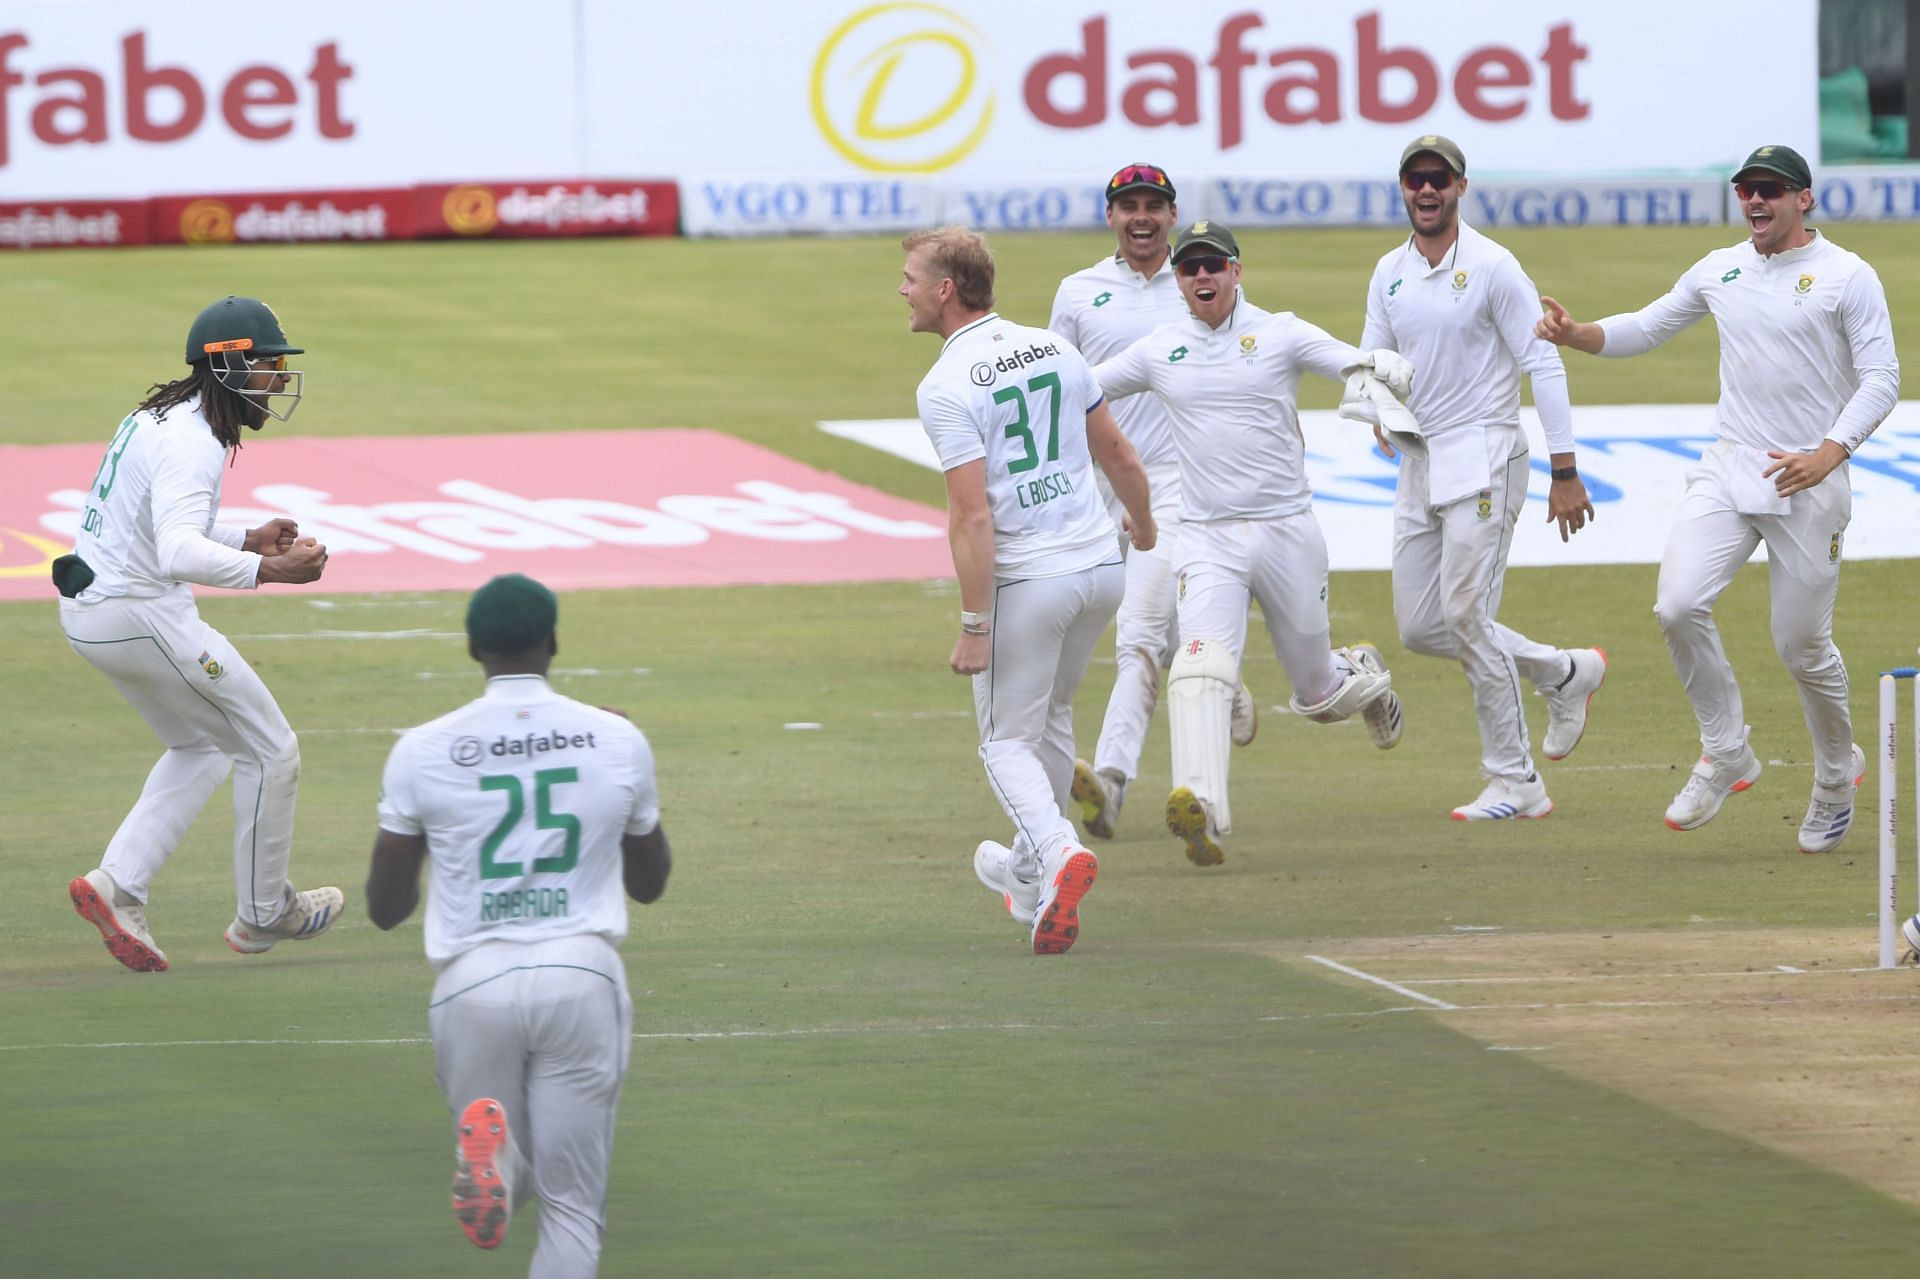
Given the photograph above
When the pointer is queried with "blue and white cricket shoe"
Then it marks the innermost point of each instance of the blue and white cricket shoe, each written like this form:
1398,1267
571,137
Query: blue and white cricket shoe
1830,815
1506,798
312,913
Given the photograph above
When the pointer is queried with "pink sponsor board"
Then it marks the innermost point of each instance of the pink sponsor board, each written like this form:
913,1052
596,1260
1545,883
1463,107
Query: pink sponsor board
577,509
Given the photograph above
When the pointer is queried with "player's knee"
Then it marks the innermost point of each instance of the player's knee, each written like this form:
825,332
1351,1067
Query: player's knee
282,763
1429,640
1805,655
1675,613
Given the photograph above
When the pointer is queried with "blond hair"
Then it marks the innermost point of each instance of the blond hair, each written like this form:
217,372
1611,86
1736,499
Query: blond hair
959,255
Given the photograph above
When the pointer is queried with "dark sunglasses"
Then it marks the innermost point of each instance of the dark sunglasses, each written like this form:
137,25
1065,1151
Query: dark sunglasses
1211,263
1139,173
1765,190
1438,179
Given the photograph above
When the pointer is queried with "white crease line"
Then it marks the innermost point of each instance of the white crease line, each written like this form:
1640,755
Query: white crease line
1395,987
356,635
1548,978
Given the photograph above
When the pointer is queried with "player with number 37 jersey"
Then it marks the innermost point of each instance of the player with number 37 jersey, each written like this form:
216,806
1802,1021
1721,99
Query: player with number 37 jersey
1002,391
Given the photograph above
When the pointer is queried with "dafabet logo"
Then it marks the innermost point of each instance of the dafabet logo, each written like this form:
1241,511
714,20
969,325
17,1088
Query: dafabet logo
903,88
470,210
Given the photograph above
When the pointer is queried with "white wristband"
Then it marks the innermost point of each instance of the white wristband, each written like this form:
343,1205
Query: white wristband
976,619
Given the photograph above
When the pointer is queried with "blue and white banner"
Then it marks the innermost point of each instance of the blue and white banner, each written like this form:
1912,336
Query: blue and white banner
1490,203
1634,458
793,204
1880,193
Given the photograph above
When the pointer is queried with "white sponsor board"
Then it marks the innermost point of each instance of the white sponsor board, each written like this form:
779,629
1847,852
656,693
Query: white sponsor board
124,97
1006,88
1634,458
118,98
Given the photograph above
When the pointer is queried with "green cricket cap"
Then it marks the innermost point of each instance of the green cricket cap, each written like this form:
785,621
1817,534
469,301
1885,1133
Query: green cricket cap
1784,161
1432,143
1205,235
510,614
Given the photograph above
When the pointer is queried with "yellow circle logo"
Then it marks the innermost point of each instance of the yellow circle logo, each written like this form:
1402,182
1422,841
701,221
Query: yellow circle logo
897,88
207,222
470,210
15,544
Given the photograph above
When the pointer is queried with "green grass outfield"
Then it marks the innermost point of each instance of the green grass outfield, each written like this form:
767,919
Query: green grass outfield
849,1065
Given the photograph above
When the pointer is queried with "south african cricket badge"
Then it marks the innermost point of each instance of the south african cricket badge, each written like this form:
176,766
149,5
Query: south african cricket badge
210,664
1833,549
1485,507
1183,585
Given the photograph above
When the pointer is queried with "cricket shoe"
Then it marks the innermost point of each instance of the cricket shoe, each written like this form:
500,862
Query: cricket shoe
1567,705
483,1173
311,914
1911,931
121,920
993,865
1056,918
1506,798
1708,787
1246,716
1830,815
1189,817
1383,717
1100,795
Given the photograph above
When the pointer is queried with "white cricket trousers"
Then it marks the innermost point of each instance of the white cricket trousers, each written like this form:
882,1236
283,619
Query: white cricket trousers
1449,570
214,716
1145,632
1224,564
1044,630
1706,546
544,1028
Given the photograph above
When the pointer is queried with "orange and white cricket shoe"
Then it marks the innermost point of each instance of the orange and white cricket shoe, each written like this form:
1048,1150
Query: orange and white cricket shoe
483,1173
1056,920
122,921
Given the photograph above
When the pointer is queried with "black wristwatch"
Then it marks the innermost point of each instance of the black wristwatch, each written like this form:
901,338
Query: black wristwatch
1566,472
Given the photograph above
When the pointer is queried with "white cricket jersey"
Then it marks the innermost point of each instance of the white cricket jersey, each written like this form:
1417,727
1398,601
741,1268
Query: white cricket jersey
1806,345
1019,398
1467,326
1230,394
147,528
1107,308
523,795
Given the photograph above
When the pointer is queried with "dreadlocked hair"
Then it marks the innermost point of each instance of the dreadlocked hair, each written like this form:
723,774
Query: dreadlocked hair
226,411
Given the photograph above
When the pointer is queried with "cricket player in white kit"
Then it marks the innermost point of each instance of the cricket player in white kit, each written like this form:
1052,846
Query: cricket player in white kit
1461,309
1019,424
1807,372
1227,374
146,535
1102,310
540,817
